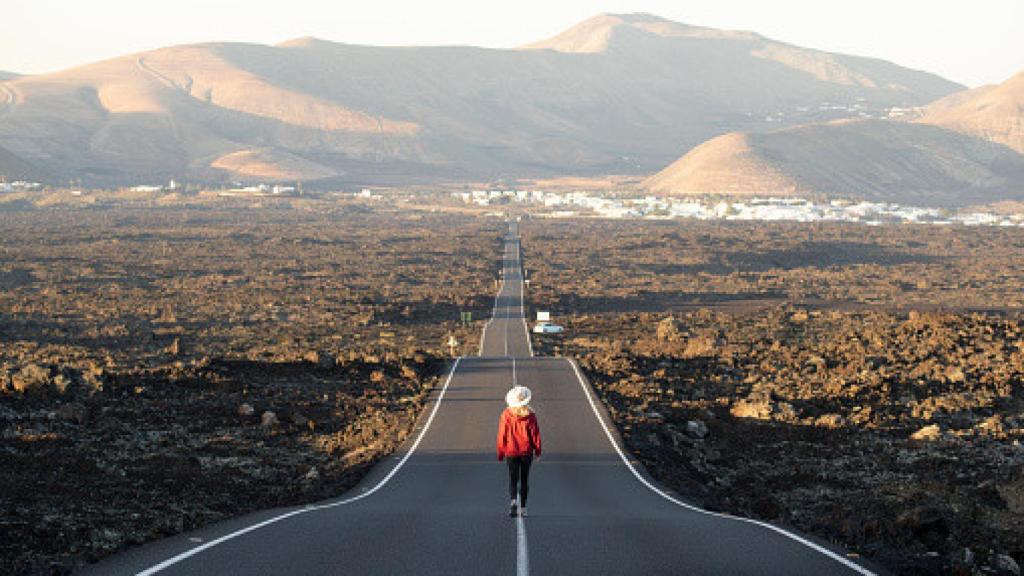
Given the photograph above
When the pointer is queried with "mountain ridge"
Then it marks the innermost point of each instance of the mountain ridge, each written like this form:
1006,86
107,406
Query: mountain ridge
385,115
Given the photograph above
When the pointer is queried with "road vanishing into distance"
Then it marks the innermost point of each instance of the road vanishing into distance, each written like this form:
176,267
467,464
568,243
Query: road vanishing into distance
440,504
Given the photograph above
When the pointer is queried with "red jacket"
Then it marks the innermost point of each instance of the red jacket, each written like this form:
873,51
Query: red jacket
518,435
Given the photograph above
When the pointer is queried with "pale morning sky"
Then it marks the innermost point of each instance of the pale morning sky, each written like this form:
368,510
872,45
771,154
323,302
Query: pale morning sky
972,42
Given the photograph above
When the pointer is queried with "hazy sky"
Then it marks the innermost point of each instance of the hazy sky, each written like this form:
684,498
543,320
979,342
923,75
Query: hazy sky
972,42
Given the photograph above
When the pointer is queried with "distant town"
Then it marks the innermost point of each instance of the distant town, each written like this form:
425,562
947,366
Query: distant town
575,204
594,204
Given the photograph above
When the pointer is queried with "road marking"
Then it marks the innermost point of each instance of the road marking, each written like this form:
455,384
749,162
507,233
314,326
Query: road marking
494,311
842,560
522,293
189,553
522,550
522,308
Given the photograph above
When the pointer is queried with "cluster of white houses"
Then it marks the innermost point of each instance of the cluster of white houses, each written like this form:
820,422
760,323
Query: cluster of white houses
20,186
570,204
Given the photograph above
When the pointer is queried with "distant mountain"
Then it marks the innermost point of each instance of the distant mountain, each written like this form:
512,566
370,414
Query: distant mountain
708,51
614,94
992,112
876,160
7,75
966,148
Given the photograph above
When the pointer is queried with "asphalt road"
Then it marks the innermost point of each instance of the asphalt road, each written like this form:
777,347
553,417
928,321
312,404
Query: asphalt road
439,506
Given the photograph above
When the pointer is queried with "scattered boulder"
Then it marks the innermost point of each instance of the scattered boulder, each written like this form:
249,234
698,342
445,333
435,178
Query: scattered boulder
30,378
1013,495
929,433
954,375
962,561
327,360
322,359
831,421
246,410
699,346
1005,565
763,409
760,409
669,331
72,412
927,523
696,429
269,419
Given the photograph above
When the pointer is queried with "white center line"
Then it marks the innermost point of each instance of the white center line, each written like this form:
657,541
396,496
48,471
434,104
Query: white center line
522,549
522,555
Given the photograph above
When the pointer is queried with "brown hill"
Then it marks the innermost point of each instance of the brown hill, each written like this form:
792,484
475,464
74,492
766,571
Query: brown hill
875,160
617,94
991,112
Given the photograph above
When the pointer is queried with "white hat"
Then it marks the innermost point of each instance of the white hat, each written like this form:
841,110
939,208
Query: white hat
518,396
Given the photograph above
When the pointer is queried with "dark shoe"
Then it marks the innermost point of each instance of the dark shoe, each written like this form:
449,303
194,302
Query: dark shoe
512,511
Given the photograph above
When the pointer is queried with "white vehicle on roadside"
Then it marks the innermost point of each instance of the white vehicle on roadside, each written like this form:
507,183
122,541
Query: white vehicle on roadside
547,328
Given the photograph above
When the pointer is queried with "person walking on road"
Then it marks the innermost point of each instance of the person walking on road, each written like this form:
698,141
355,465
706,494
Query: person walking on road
518,442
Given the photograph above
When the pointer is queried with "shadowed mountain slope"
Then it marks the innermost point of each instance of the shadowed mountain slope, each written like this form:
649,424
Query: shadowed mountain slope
14,168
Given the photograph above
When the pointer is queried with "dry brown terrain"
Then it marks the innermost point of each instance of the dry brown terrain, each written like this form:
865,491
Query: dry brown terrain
864,384
161,369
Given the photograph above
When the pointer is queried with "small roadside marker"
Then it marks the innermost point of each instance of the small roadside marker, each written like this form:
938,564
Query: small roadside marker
194,539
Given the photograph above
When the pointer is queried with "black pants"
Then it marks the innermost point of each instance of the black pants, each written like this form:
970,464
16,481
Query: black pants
519,477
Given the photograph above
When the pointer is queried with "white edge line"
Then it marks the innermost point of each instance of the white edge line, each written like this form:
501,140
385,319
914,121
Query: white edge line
192,552
494,311
522,291
845,561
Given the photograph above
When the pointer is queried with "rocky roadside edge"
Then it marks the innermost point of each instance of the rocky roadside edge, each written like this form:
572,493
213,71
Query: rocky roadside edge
898,437
97,460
